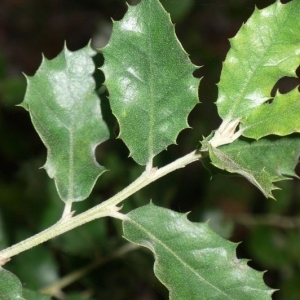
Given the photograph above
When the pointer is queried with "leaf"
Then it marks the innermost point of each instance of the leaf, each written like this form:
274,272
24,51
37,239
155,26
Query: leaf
65,112
262,162
281,117
149,78
265,49
191,260
10,286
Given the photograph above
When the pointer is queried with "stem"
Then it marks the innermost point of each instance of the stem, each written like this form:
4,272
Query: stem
104,209
67,210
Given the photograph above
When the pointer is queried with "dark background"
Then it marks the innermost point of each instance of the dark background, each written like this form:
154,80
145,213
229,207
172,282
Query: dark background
28,200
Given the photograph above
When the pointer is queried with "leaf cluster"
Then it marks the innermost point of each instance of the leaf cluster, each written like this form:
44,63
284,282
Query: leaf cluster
152,90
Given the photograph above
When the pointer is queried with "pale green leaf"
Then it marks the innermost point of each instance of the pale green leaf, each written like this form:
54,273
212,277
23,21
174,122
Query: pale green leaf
149,79
262,162
191,260
65,112
265,49
281,117
10,286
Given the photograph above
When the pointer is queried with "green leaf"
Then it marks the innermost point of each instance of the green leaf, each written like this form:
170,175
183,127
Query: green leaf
262,162
191,260
65,112
265,49
281,117
149,78
10,286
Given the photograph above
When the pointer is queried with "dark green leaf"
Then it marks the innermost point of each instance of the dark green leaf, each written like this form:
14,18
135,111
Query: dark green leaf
191,260
149,78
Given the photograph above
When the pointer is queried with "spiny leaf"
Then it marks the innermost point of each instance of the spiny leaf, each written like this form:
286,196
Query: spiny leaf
262,162
191,260
65,112
281,117
265,49
149,78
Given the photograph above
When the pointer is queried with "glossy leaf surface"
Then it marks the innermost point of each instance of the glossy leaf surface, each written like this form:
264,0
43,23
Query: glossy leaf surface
65,112
262,162
265,49
281,117
191,260
149,78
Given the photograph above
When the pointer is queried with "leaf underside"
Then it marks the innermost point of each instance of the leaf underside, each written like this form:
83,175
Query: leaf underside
149,78
266,48
191,260
65,112
262,162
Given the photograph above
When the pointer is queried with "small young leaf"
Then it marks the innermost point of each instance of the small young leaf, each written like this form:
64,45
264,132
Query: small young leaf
265,49
149,78
281,117
191,260
262,162
65,112
10,286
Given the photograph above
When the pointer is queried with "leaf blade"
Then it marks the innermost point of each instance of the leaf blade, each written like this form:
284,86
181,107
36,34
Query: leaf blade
191,250
265,49
149,78
10,286
65,112
262,162
279,117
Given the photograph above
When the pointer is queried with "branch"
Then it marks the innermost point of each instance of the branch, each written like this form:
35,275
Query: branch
104,209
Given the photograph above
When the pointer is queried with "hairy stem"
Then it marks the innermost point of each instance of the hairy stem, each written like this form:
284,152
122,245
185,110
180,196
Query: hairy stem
106,208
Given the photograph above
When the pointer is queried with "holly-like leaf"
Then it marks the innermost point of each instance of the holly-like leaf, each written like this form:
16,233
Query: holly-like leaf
149,79
265,49
65,112
191,260
281,117
10,286
262,162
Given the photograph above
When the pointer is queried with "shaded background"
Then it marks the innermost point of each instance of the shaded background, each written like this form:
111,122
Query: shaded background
28,200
